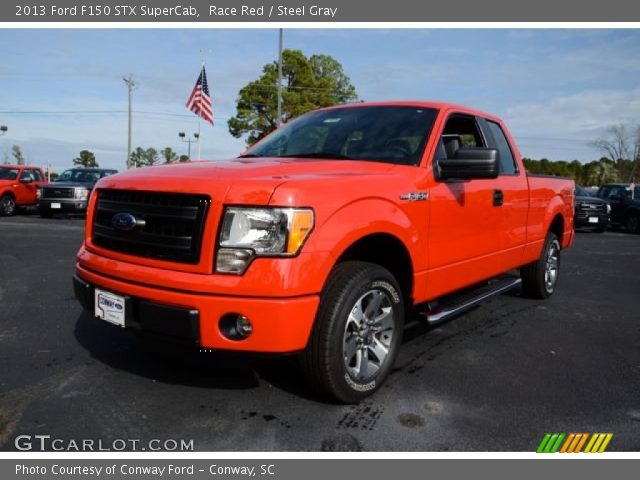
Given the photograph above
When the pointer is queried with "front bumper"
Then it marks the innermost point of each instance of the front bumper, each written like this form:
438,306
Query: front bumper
66,205
581,219
280,325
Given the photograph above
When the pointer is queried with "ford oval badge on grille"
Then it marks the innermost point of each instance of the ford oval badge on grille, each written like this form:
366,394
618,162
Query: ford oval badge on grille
125,221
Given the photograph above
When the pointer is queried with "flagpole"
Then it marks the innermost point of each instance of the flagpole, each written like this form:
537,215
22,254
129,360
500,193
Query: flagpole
199,117
199,138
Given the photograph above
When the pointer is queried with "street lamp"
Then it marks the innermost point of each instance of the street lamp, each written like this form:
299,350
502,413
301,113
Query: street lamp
189,140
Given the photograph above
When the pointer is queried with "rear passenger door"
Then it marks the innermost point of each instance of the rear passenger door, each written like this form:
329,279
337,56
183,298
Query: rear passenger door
514,189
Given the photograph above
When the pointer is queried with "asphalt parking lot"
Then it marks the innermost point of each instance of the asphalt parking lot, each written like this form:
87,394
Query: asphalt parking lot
495,379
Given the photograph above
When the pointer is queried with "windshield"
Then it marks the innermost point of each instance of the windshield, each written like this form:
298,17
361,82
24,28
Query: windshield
581,192
384,134
8,173
83,176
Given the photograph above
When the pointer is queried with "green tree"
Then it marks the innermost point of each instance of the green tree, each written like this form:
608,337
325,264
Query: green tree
16,151
142,158
308,83
169,155
183,158
86,159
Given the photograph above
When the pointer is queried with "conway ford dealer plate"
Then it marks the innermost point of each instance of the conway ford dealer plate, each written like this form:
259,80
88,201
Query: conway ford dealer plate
109,307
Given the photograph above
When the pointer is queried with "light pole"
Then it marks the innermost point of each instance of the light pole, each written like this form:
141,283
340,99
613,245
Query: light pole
279,91
196,139
131,85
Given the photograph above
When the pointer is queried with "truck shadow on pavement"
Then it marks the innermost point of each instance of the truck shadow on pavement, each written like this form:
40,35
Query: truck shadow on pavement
171,363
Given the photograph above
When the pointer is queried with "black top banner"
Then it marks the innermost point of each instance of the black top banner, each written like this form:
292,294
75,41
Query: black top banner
318,11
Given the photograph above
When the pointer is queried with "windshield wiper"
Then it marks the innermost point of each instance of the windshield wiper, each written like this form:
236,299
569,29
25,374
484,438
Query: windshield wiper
249,155
329,155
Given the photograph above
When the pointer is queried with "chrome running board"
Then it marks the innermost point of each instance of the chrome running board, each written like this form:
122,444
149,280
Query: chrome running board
456,304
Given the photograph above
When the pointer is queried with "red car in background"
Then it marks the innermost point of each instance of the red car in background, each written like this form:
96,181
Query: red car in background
19,185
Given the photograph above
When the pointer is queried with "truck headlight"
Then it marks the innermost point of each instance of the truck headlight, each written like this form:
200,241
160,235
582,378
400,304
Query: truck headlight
247,233
81,193
608,209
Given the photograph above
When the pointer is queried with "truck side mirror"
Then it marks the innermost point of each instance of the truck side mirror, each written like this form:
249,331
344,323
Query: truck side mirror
470,163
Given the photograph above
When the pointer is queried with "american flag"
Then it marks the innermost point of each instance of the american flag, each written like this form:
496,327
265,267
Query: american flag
200,102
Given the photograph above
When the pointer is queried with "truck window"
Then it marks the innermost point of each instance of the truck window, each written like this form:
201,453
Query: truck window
27,174
460,131
8,173
38,175
507,163
379,133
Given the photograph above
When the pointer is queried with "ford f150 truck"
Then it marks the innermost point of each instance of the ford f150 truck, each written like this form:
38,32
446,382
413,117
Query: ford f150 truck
70,192
19,187
324,235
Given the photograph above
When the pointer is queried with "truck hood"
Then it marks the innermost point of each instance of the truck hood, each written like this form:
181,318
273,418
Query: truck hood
240,180
71,184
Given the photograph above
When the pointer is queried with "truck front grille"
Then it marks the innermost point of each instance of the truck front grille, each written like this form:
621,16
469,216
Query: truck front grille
57,192
586,208
169,227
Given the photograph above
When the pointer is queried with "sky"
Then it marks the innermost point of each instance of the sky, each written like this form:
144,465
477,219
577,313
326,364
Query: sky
61,90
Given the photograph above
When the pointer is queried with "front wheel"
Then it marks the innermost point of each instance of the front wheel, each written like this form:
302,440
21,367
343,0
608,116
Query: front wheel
7,206
357,332
540,278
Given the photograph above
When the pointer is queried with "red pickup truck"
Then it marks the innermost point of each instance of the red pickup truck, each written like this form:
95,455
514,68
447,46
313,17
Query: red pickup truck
323,236
18,187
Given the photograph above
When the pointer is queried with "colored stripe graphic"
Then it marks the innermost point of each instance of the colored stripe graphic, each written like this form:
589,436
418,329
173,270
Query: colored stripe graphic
550,443
578,448
567,442
573,442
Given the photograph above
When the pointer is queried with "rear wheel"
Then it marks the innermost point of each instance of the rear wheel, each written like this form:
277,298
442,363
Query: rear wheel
633,223
539,279
357,332
7,206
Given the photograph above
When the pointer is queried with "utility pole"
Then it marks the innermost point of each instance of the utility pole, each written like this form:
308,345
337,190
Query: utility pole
131,85
279,114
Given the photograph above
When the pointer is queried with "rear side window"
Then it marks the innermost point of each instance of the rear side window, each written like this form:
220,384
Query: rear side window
507,163
38,175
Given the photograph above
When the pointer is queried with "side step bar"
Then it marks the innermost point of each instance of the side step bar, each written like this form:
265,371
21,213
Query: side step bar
456,304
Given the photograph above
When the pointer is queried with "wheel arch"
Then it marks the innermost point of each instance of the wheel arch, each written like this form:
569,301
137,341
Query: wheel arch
388,251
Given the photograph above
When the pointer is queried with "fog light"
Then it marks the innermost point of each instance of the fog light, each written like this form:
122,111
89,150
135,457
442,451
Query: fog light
235,326
243,326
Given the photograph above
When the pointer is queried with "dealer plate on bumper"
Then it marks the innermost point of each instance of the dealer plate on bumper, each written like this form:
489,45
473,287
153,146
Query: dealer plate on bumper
593,219
109,307
56,205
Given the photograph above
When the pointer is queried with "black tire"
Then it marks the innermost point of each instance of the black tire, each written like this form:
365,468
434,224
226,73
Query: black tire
341,346
7,206
535,280
633,223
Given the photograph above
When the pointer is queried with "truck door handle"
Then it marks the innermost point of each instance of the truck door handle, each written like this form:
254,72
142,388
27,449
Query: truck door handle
498,198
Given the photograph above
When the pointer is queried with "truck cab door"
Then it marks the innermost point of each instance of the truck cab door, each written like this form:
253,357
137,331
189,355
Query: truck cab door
618,197
25,191
514,186
464,238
